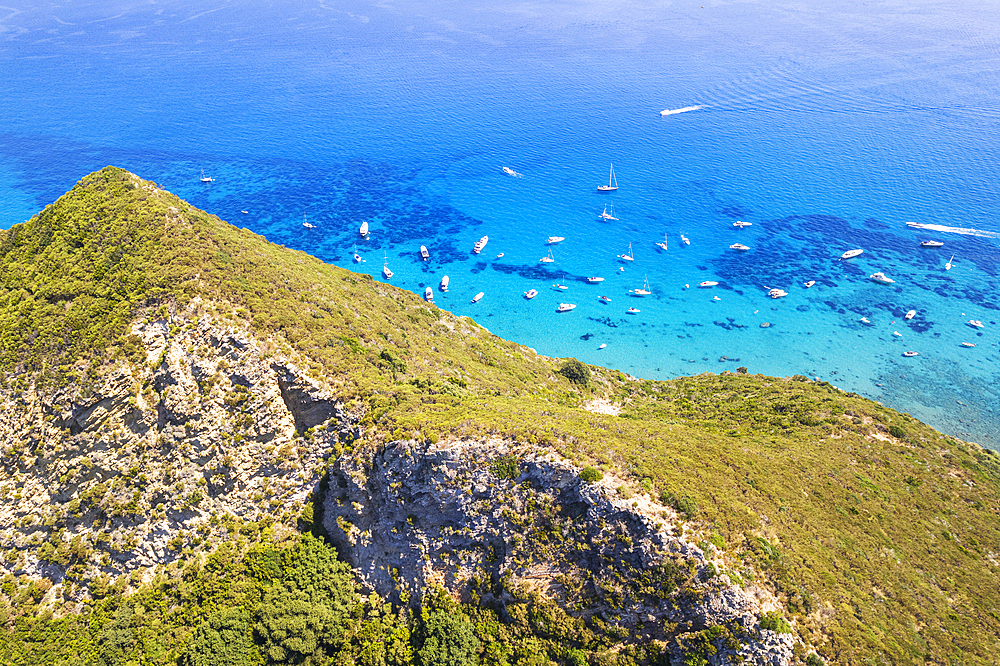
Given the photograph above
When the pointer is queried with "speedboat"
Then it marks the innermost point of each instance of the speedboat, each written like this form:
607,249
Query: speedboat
627,257
363,230
549,259
777,293
740,224
480,244
897,334
604,299
612,182
424,254
865,320
881,278
595,280
707,283
911,353
968,344
511,172
478,297
429,295
633,311
530,294
931,244
810,283
608,215
500,256
444,283
716,298
684,239
555,239
850,254
245,212
565,307
910,315
975,323
602,345
739,247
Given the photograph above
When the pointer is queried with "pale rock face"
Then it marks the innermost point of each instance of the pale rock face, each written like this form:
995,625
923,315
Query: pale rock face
415,514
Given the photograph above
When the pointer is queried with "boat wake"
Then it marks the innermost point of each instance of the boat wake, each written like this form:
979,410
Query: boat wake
954,230
672,112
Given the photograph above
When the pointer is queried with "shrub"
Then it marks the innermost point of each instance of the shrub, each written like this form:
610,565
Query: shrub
775,622
575,371
742,370
815,660
505,467
590,475
683,504
897,432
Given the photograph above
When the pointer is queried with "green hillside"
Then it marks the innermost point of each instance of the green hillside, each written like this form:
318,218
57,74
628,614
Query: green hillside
879,535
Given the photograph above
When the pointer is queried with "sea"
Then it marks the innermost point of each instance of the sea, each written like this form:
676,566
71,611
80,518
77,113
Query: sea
829,125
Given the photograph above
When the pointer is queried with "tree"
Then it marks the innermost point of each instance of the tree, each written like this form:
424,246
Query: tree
576,372
224,639
447,638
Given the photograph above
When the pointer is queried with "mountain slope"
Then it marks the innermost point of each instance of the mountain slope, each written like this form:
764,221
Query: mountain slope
171,381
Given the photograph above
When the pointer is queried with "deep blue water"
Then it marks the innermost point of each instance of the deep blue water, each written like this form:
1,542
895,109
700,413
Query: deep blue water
828,125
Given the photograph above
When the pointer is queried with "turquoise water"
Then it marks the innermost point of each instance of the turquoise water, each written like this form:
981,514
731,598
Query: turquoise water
829,126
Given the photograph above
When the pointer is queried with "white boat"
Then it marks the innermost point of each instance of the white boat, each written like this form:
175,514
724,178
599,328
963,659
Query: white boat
931,244
777,293
206,179
612,182
684,239
947,266
975,323
606,215
739,247
672,112
881,278
444,284
429,295
604,299
480,244
663,245
500,256
357,257
645,291
561,285
511,172
245,212
716,298
602,345
478,297
363,230
850,254
424,254
897,334
968,344
910,315
549,259
810,283
865,320
565,307
740,224
305,224
555,239
707,283
627,257
909,354
595,280
530,294
633,311
385,268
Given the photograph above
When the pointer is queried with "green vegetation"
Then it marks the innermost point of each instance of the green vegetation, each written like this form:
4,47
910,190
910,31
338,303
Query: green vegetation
591,474
879,535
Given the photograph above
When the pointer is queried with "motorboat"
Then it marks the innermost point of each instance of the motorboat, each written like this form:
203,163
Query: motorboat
549,259
968,344
777,293
478,297
633,311
707,283
565,307
740,247
604,299
307,225
424,254
606,215
897,334
881,278
385,268
663,245
530,294
910,354
602,345
363,230
865,320
429,295
809,284
245,212
500,256
684,239
645,291
595,280
480,244
206,179
975,323
931,244
612,182
627,257
444,284
947,266
850,254
915,225
555,239
910,315
511,172
716,298
739,224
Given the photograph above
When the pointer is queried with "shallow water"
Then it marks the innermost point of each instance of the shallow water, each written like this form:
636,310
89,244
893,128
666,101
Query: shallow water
828,126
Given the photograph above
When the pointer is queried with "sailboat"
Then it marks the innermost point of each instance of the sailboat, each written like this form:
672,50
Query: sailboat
364,228
561,285
385,268
627,257
204,178
645,288
947,266
663,245
549,259
305,224
357,257
612,182
606,215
